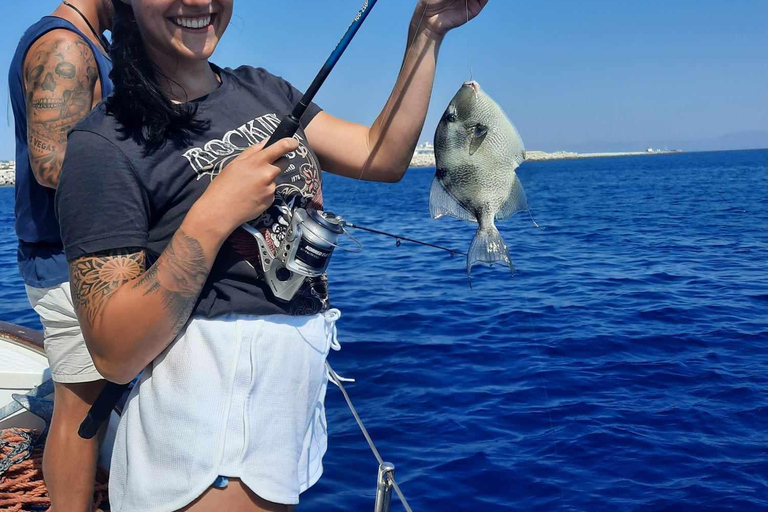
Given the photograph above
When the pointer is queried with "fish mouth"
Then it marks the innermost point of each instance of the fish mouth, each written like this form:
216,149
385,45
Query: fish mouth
473,85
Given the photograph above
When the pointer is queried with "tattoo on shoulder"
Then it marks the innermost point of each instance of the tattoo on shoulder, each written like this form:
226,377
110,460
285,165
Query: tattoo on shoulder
60,78
96,277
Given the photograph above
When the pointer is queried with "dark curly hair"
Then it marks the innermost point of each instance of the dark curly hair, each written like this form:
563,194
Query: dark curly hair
146,115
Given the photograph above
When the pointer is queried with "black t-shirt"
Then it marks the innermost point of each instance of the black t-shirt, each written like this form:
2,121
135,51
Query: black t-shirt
112,195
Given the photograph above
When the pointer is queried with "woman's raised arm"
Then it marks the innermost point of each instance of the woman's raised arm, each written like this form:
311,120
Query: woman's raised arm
383,151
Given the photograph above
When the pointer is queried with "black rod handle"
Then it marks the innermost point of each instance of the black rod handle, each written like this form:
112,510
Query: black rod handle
101,409
288,127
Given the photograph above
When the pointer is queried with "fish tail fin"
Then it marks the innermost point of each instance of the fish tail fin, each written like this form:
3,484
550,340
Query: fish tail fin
487,247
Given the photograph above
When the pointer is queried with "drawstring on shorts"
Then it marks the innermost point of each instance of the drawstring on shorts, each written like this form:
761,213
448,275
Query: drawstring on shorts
331,332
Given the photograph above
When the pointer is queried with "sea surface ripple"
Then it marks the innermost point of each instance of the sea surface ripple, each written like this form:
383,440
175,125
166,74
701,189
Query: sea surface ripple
624,368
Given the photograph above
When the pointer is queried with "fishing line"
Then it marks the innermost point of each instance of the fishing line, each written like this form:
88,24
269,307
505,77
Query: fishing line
546,390
536,224
421,20
407,54
337,380
471,78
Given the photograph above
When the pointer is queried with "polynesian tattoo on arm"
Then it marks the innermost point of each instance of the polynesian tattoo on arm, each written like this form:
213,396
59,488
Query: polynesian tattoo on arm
60,77
96,277
179,274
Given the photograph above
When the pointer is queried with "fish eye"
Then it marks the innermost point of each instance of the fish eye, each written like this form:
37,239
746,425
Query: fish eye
450,114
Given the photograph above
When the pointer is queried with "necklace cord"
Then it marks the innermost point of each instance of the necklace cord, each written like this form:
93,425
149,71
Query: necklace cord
100,38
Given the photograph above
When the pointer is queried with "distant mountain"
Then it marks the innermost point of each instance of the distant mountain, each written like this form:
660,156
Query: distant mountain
753,139
748,139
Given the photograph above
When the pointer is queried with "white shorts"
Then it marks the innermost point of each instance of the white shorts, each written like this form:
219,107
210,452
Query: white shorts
65,347
239,397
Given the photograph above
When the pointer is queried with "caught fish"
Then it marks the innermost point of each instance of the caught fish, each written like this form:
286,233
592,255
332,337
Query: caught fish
477,150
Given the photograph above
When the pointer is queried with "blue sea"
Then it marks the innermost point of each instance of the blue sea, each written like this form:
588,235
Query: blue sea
624,368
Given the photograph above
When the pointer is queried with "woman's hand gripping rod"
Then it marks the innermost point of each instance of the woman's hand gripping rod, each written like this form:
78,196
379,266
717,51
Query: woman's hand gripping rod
289,125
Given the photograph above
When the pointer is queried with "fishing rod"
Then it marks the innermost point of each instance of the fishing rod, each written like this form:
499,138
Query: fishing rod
399,239
289,125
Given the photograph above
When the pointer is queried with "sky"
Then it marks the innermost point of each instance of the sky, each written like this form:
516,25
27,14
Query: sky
586,75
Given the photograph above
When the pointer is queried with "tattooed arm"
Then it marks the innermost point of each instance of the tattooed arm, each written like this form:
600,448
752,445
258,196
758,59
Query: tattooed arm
60,81
129,314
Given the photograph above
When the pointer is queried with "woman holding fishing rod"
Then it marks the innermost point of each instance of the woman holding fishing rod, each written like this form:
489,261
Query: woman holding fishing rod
157,182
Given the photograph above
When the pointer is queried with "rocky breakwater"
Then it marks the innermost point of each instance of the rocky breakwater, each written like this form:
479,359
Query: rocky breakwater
563,155
7,173
557,155
422,160
424,156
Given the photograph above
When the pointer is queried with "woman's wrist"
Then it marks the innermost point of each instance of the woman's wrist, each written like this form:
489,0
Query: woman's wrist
419,28
210,230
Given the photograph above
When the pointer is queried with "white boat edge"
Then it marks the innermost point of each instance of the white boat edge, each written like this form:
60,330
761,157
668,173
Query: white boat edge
23,366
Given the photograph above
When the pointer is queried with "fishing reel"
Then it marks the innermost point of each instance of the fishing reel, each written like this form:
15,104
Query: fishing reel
305,251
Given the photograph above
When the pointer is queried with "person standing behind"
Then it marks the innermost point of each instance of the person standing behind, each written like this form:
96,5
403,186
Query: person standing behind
59,72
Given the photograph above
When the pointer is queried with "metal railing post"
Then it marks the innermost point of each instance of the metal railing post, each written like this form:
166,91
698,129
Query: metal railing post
384,487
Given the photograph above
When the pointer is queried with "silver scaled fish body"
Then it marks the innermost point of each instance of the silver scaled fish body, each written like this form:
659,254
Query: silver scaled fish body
477,150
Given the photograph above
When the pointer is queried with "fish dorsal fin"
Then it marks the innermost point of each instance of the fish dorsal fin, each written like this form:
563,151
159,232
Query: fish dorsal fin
442,203
515,202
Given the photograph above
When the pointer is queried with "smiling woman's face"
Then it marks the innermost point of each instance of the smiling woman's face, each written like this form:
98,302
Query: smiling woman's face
181,29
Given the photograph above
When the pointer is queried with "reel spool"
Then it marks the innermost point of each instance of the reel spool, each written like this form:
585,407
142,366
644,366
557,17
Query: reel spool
305,252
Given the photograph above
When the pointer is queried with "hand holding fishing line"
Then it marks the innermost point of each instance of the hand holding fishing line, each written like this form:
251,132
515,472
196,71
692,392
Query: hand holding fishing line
440,16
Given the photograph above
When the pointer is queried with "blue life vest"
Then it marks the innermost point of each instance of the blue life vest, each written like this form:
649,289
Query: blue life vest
40,254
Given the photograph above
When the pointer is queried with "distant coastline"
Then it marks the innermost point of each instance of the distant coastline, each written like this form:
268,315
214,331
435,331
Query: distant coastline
565,155
424,155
